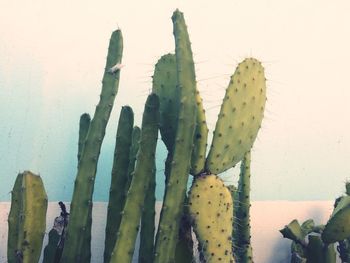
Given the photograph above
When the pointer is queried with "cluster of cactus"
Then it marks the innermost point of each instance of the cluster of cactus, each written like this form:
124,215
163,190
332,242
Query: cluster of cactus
219,215
316,243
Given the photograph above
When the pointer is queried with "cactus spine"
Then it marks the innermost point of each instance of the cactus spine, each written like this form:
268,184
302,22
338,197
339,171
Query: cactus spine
241,234
168,229
84,183
27,219
211,208
144,170
119,179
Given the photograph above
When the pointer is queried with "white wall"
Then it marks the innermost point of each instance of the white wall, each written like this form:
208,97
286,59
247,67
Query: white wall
267,218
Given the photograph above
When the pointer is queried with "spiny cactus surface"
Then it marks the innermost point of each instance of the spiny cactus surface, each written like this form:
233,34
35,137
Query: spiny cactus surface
240,117
211,209
27,219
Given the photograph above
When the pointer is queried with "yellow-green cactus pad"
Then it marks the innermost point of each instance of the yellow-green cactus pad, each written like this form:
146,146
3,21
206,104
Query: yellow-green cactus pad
240,117
211,209
338,226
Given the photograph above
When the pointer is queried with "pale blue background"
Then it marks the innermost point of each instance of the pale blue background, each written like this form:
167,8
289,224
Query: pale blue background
52,55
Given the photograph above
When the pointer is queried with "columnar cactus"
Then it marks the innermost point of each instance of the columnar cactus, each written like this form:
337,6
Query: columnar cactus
211,208
84,183
119,179
144,170
241,233
171,212
27,219
147,222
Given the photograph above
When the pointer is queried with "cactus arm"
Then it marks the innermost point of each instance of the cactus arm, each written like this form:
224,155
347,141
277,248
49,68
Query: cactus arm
119,179
136,133
241,232
84,125
240,117
27,219
146,254
84,183
128,229
318,252
168,229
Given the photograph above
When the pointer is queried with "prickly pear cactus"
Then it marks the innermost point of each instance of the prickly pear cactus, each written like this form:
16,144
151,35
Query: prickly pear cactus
211,209
27,219
240,117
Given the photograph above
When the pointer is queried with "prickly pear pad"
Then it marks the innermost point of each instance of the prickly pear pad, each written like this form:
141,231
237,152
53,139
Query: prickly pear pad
240,116
211,209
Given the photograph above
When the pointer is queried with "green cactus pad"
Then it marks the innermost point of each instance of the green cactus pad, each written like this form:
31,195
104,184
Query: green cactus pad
144,170
119,178
84,125
211,209
338,226
164,85
240,117
27,219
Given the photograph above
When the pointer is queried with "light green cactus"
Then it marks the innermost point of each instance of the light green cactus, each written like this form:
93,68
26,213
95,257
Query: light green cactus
240,117
27,219
211,208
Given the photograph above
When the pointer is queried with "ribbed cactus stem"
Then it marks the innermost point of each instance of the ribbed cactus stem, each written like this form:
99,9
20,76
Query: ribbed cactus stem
171,212
135,143
144,170
27,219
84,183
84,125
146,254
241,233
119,179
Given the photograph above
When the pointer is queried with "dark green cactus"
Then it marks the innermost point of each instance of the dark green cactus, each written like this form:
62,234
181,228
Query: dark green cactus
318,252
171,212
136,133
184,246
241,233
338,227
240,117
144,170
84,125
27,219
146,254
119,179
164,85
84,183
